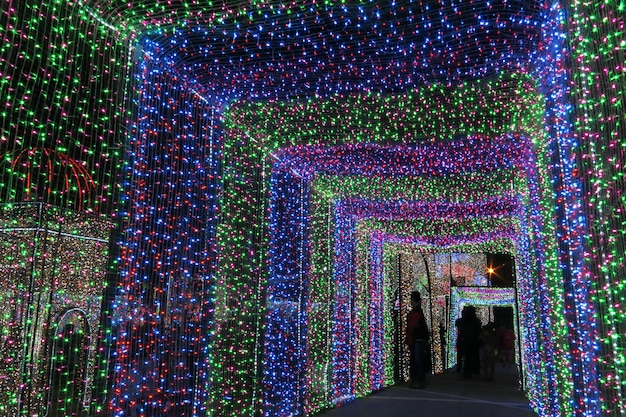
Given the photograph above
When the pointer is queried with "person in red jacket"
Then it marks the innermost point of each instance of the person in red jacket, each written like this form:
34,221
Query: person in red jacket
417,336
506,338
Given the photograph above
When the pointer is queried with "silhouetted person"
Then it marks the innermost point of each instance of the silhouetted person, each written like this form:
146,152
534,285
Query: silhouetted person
469,333
459,345
417,339
506,338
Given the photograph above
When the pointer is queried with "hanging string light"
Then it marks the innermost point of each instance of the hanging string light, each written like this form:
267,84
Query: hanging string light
195,125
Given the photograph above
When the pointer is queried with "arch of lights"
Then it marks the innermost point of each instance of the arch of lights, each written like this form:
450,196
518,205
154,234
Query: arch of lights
501,297
176,111
407,211
288,290
370,283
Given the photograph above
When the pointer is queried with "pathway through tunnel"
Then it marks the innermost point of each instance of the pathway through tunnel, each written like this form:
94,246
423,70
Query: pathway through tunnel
446,395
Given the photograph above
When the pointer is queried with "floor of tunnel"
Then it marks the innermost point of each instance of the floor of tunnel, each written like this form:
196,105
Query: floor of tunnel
446,395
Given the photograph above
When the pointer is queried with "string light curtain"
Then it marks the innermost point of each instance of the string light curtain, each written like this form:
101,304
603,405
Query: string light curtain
63,80
579,316
63,119
444,241
249,79
372,235
596,55
163,308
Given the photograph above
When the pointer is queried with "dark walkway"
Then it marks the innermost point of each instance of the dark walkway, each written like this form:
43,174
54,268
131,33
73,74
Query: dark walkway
446,395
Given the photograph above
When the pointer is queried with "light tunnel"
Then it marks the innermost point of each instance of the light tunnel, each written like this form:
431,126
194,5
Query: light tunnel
266,162
333,355
271,246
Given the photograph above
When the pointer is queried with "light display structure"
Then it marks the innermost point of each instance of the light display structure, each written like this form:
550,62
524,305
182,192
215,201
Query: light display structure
54,271
484,298
163,312
347,330
66,69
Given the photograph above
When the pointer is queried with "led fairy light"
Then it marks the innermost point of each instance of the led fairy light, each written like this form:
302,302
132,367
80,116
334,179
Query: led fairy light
576,322
320,305
311,332
303,170
253,45
404,246
512,101
413,232
453,188
482,245
421,229
531,293
164,299
479,297
243,255
597,39
404,70
260,137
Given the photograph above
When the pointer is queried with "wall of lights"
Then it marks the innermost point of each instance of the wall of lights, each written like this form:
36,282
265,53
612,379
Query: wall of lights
259,161
347,370
63,82
163,311
54,269
405,246
597,43
578,321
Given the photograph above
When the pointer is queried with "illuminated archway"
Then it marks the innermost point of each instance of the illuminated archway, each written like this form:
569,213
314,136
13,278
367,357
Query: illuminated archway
177,110
289,373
